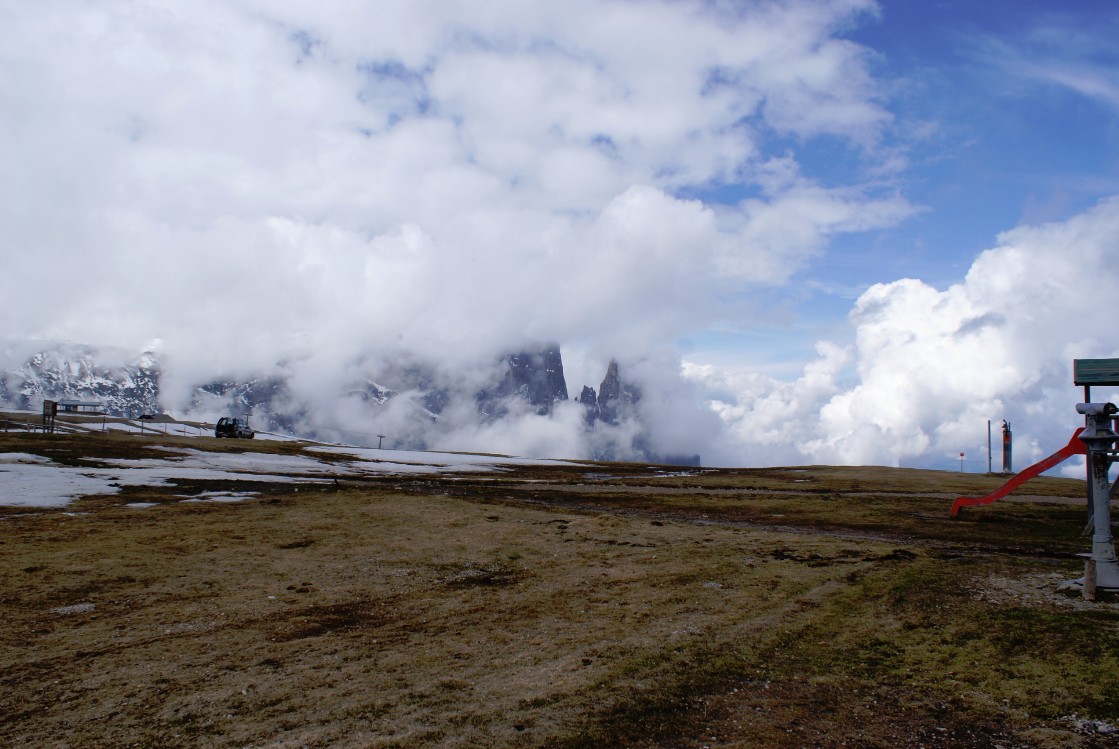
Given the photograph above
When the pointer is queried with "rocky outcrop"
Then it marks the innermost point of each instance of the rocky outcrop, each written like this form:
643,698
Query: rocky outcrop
535,376
589,399
616,397
617,401
614,400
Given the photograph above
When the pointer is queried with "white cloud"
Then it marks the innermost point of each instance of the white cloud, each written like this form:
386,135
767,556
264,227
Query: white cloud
440,176
930,366
1060,53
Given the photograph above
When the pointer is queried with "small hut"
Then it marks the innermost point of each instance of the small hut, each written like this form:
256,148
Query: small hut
79,407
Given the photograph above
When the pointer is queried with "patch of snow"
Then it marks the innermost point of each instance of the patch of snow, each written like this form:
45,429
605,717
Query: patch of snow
47,484
390,467
6,458
33,481
77,608
276,437
236,462
221,497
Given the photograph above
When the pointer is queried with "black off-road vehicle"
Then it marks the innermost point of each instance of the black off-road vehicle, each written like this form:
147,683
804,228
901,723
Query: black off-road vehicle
229,426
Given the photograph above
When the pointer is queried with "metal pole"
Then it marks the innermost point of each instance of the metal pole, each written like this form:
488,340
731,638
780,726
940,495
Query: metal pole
1007,446
988,445
1091,516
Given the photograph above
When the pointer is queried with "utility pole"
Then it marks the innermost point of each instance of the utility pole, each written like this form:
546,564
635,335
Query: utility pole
988,445
1007,447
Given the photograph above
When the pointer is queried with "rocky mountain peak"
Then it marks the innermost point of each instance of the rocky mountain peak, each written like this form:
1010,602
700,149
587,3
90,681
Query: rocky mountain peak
614,397
534,375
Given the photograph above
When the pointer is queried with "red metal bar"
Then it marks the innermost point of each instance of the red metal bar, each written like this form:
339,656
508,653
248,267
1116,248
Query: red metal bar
1074,447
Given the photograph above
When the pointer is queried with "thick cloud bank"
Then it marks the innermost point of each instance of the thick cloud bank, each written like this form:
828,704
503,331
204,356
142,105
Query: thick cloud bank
249,182
928,368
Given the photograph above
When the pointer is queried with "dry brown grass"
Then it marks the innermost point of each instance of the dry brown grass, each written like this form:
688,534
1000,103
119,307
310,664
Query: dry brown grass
570,607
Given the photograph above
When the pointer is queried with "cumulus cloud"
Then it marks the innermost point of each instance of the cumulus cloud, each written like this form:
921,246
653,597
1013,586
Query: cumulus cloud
929,367
286,181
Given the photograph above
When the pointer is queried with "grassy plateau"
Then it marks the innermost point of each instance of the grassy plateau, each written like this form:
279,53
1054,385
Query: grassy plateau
571,606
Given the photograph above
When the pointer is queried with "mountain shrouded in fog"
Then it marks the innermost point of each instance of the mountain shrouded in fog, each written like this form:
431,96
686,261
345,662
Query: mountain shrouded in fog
419,407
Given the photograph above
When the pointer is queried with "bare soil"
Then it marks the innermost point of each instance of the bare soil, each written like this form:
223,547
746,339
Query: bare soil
590,606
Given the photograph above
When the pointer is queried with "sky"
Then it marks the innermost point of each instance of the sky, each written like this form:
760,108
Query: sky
833,231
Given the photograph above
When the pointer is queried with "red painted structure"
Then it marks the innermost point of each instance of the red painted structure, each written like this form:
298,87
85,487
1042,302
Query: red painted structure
1075,446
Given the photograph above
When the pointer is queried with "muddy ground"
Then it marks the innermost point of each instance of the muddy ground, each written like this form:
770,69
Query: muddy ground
586,606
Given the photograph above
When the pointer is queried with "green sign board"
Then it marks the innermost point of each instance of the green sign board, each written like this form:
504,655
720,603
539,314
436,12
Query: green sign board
1095,371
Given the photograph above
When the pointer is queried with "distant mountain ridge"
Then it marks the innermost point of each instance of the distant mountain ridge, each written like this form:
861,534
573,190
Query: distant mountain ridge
529,380
78,372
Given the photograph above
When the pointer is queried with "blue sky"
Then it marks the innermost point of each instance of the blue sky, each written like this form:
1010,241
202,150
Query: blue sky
812,230
1006,113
